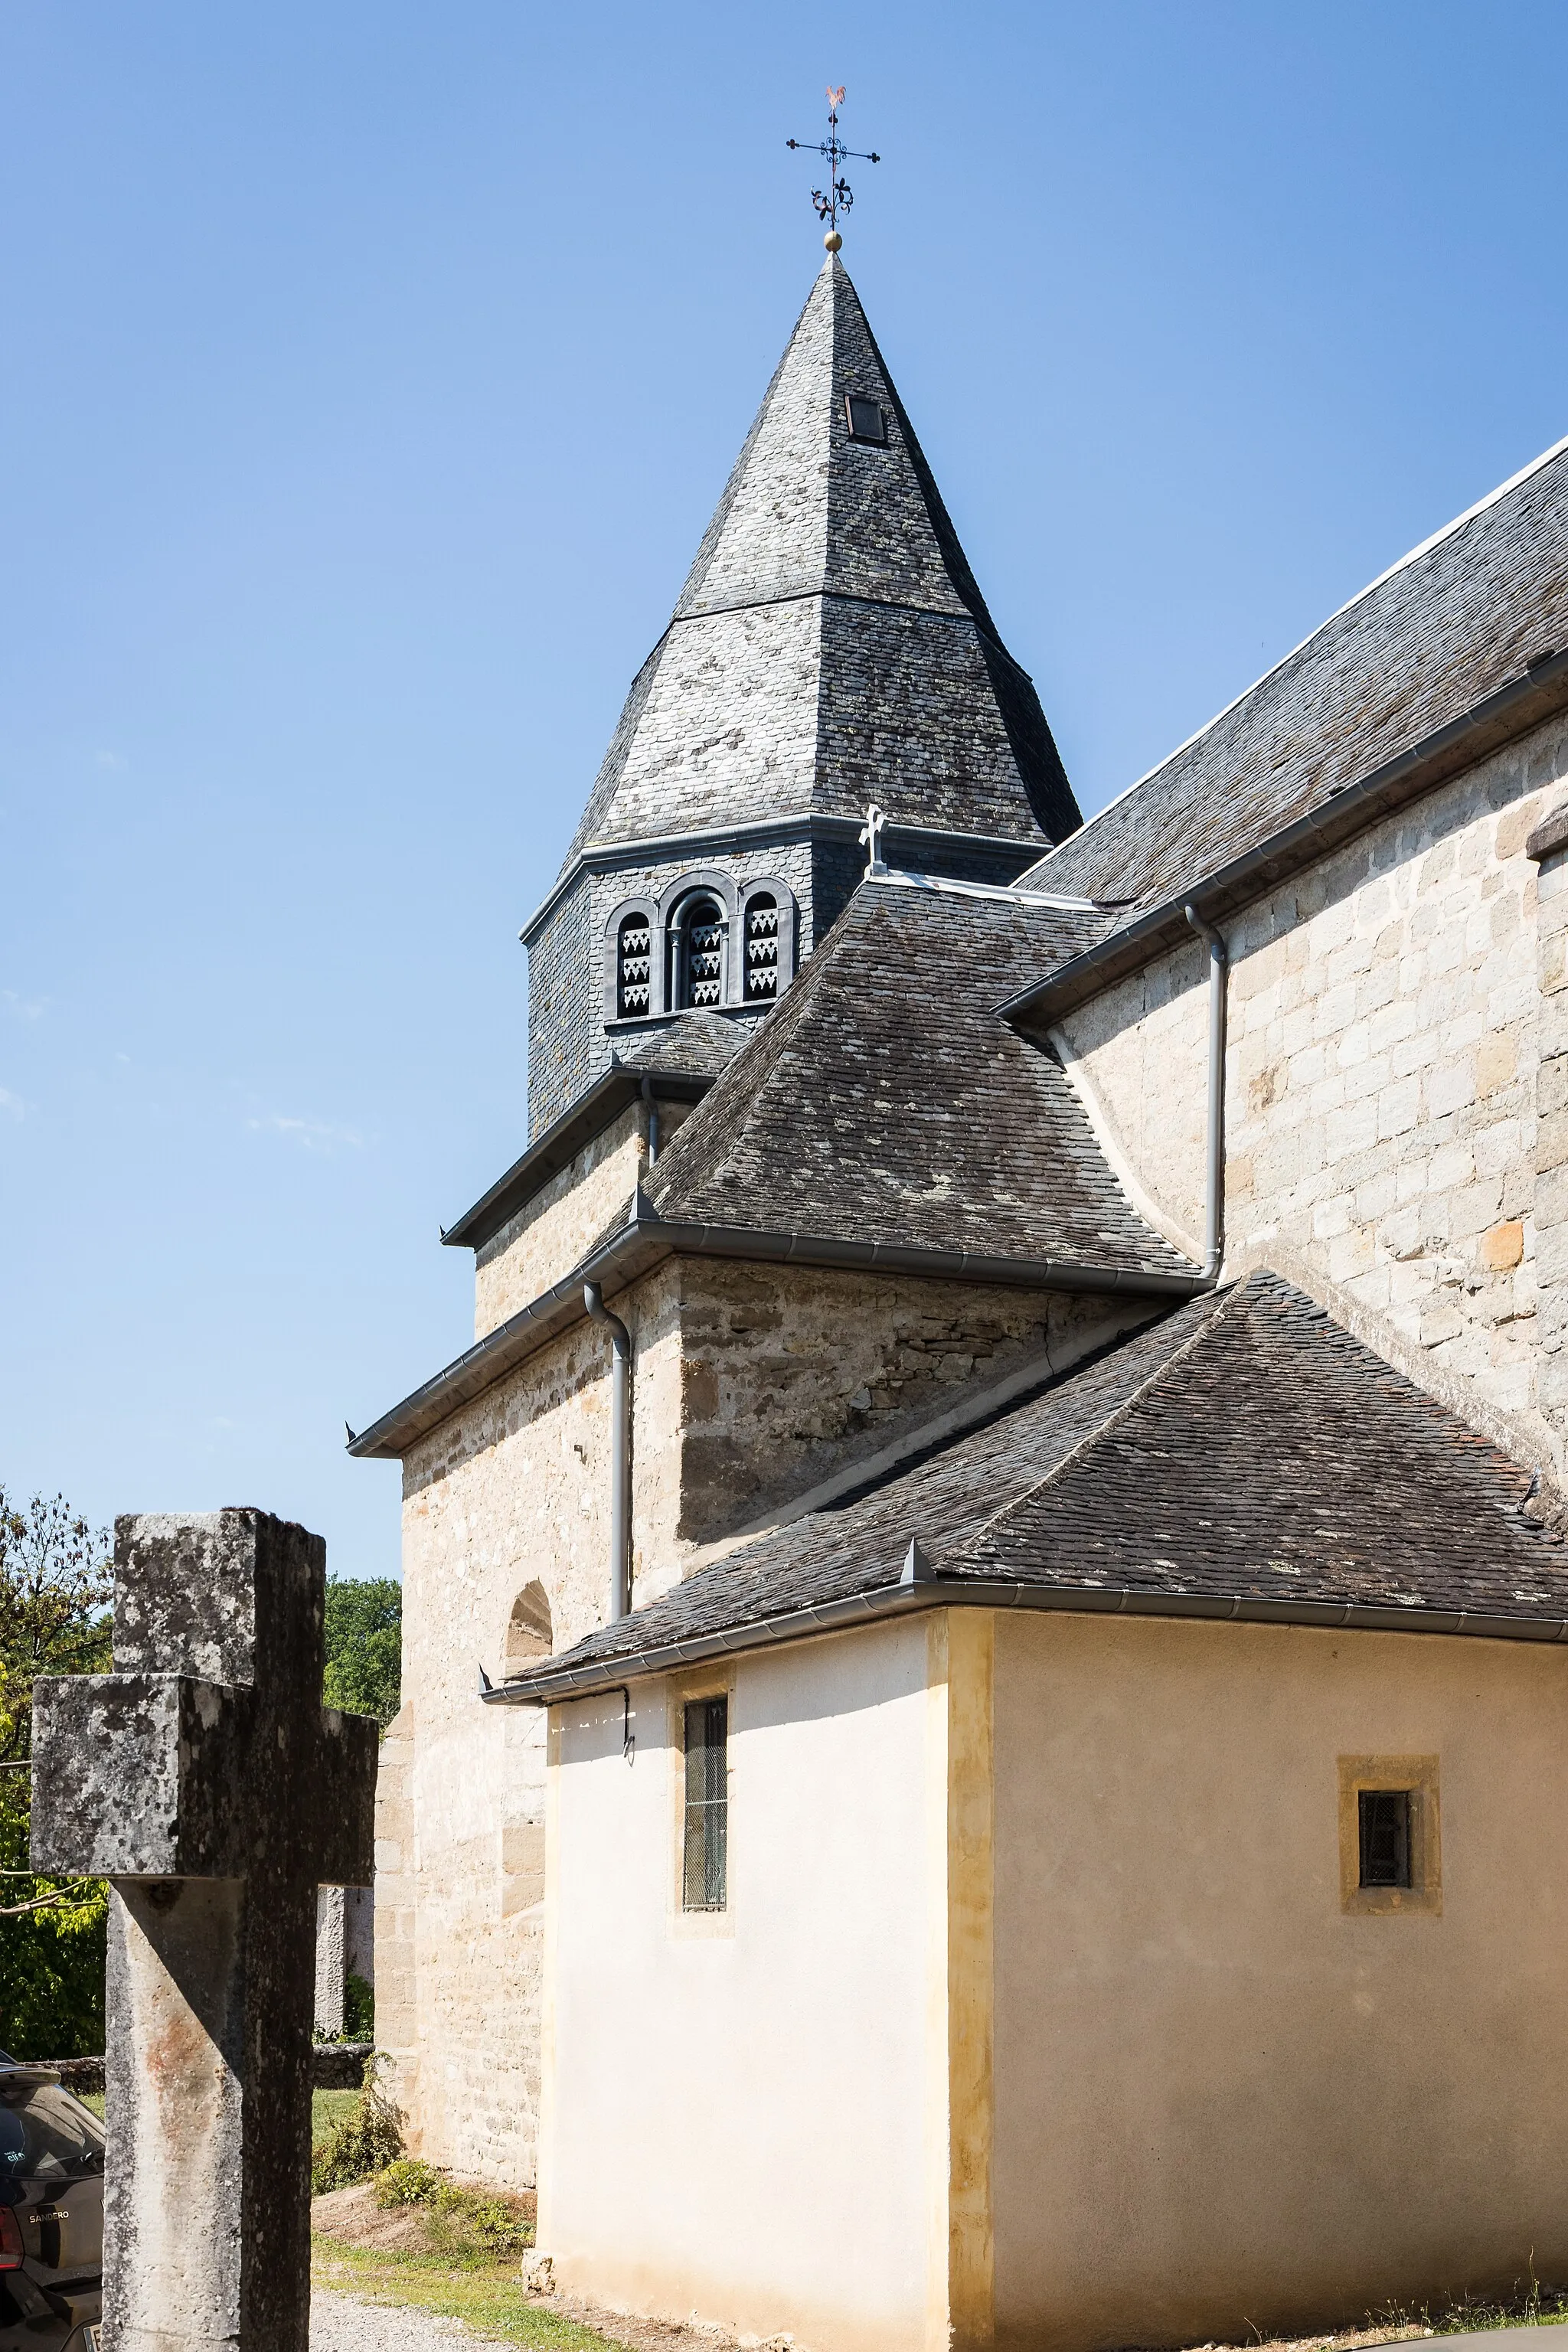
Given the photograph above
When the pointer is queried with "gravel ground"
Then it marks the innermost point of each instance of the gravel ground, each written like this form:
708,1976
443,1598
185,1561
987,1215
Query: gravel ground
339,2324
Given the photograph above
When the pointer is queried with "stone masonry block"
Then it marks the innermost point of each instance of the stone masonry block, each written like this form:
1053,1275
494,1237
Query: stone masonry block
141,1776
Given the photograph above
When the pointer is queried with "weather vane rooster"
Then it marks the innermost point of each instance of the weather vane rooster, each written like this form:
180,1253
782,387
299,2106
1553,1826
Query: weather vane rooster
838,196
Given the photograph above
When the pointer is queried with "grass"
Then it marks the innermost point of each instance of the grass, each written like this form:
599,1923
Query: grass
489,2297
328,2109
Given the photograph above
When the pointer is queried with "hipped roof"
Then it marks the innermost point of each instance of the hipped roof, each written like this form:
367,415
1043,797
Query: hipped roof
1241,1458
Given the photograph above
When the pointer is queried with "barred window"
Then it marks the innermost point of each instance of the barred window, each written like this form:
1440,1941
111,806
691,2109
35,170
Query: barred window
634,963
763,918
705,1850
1384,1826
698,953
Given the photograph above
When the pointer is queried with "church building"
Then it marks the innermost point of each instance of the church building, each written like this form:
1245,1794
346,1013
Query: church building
986,1614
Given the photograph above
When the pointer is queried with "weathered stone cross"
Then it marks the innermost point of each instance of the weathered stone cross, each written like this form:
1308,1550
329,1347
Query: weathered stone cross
205,1780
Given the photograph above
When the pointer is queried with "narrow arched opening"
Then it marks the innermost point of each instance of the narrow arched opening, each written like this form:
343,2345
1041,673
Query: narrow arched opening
530,1632
698,953
634,967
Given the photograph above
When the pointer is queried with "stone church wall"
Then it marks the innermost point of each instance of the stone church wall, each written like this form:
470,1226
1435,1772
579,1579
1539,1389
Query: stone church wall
790,1377
1381,1077
548,1237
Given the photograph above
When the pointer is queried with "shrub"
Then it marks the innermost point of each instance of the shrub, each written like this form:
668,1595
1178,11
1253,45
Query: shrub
468,2224
407,2181
359,2008
367,2141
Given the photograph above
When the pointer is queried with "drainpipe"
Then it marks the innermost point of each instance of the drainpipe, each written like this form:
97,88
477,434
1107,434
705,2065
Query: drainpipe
1213,1212
652,1101
620,1450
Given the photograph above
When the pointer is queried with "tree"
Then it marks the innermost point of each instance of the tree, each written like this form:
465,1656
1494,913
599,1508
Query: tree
56,1588
364,1645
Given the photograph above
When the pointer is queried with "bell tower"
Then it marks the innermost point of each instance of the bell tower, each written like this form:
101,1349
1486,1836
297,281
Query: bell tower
830,649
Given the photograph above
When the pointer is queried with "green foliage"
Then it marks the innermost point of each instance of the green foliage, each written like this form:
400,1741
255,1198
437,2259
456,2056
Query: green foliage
359,2008
465,2224
409,2181
364,1645
55,1590
366,2140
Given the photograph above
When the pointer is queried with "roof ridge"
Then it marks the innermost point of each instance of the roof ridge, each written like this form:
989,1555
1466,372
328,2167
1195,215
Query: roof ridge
1413,555
1210,1311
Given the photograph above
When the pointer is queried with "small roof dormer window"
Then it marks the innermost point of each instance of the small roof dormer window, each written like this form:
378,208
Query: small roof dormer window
866,420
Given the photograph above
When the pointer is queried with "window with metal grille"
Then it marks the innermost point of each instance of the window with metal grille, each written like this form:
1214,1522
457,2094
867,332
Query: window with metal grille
634,964
864,419
706,1844
1384,1837
762,947
699,954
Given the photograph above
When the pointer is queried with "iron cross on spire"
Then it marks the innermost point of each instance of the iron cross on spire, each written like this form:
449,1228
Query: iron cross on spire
838,196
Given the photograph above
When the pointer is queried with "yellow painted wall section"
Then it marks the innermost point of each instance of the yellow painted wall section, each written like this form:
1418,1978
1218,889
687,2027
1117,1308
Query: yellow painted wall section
1225,2103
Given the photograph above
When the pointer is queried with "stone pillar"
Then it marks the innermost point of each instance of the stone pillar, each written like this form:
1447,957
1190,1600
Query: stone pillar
346,1947
207,1782
1548,844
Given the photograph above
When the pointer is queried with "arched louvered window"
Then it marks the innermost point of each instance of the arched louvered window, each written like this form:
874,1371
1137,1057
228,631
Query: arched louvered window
761,932
698,953
634,965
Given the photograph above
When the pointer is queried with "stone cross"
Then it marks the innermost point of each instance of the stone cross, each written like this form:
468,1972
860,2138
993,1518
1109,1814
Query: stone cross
870,834
205,1780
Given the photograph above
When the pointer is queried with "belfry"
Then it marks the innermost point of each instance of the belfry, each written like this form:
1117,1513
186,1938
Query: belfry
830,648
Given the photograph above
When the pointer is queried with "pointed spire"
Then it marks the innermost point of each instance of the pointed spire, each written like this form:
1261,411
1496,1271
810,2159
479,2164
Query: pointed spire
830,645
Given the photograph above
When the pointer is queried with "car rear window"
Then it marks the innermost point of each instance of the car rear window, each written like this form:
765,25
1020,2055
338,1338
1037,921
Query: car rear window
44,2133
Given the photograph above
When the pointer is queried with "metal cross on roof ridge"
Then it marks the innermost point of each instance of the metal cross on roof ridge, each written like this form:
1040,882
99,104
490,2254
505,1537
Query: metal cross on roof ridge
838,196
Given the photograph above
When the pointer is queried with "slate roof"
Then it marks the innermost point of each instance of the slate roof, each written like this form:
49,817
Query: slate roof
1468,613
1241,1456
830,644
884,1098
697,1044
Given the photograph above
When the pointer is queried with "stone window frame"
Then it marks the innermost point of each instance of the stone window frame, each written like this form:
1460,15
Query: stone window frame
1424,1896
659,913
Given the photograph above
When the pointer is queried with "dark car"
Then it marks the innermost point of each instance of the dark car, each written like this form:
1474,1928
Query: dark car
51,2214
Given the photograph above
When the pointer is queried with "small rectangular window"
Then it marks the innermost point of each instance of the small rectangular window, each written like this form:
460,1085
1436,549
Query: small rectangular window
864,419
1384,1836
705,1849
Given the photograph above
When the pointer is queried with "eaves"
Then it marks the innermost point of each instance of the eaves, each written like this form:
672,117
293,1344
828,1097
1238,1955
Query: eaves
560,1142
544,1687
1497,719
645,1240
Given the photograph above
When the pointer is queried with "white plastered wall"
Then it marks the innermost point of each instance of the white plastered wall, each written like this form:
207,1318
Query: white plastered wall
738,2111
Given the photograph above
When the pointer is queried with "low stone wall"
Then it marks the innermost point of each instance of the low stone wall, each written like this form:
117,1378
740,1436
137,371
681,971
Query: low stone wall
339,2066
335,2066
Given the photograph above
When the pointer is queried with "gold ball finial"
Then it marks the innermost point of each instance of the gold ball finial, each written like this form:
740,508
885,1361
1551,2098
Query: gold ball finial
832,240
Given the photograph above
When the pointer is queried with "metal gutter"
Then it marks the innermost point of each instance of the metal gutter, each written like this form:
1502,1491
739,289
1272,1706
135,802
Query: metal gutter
1007,1592
765,832
645,1240
560,1142
1496,719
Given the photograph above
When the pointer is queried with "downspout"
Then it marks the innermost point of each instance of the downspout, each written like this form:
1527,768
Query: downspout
652,1101
620,1450
1214,1207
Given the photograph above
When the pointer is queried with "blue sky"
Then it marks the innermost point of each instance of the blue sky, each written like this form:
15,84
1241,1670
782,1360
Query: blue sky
368,375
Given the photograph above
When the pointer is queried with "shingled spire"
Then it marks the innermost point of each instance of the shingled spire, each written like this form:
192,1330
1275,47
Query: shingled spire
830,649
